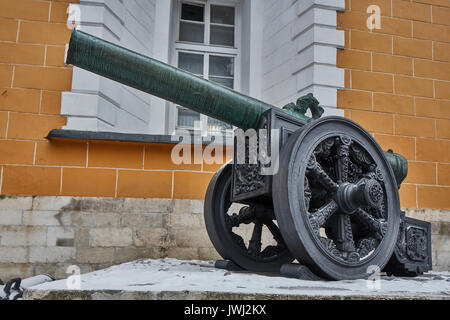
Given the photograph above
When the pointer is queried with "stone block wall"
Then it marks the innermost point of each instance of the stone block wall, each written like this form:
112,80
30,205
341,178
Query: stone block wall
48,234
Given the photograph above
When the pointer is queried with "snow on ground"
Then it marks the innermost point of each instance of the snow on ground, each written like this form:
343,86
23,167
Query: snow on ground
175,275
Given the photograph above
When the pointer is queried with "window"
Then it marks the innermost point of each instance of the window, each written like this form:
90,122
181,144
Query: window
206,45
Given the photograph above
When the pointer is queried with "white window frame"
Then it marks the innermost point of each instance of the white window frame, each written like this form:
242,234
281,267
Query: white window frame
206,50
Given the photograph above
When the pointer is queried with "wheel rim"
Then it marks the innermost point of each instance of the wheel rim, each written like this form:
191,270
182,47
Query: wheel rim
241,246
340,197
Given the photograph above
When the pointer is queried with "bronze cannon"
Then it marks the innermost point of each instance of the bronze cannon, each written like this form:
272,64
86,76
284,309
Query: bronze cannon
320,187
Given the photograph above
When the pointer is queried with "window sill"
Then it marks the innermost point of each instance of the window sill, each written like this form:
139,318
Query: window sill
59,134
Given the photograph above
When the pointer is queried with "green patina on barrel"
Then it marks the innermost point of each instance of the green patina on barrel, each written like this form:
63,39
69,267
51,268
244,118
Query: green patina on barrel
164,81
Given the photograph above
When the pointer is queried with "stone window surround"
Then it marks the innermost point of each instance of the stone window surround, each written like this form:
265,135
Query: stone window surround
315,65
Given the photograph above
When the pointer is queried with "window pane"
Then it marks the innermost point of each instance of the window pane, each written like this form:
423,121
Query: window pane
223,15
191,62
187,118
192,32
223,36
223,81
217,126
192,12
221,66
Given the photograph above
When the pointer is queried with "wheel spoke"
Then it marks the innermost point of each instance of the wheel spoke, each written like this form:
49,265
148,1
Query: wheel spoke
321,216
246,215
343,153
275,231
344,240
254,247
318,173
376,225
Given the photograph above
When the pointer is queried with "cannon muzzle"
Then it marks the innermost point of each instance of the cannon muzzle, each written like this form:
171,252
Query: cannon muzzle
164,81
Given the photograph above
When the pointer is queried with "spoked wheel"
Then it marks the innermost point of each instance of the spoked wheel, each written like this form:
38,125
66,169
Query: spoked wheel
336,200
237,232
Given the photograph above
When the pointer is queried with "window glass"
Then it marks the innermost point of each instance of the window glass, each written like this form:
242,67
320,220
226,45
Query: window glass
202,26
221,71
223,81
192,32
191,62
221,66
218,126
222,35
222,15
187,118
192,12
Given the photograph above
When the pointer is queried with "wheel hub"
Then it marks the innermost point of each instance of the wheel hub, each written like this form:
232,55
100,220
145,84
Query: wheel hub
350,196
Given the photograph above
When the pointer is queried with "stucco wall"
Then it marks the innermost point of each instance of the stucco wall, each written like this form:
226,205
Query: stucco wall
99,104
299,52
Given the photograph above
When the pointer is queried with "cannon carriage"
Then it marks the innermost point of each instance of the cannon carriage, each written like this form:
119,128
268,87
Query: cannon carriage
322,188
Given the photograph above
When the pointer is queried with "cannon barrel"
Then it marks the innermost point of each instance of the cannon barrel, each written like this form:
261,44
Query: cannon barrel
175,85
164,81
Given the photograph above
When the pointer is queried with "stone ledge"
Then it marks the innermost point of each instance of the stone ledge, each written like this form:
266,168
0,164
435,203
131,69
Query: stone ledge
165,279
199,295
63,134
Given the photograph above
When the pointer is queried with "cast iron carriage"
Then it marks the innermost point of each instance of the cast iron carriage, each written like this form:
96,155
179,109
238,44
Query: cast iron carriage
333,203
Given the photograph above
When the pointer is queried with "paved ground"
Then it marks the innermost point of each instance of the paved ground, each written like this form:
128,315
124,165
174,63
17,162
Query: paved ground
174,279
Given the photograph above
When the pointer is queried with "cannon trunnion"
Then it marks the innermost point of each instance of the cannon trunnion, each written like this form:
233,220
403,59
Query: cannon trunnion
319,190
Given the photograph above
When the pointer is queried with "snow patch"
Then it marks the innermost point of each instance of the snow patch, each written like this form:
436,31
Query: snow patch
176,275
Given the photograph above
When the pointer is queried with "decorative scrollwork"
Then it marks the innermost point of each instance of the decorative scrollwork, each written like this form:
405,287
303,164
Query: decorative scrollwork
416,244
248,179
330,246
376,192
343,152
366,246
361,156
319,174
321,216
345,240
324,148
354,173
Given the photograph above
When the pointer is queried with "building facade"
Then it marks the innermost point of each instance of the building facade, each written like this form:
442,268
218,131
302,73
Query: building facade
86,172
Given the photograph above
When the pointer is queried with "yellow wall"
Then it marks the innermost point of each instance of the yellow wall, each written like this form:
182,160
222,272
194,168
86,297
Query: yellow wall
398,88
33,35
